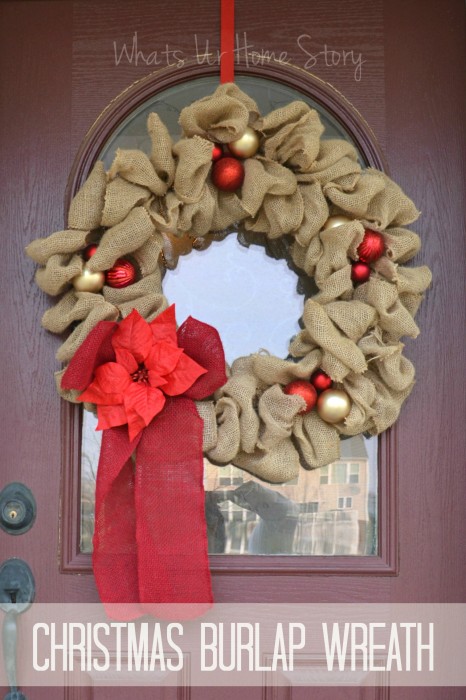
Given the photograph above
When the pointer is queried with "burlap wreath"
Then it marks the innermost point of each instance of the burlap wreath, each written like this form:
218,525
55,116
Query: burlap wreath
293,184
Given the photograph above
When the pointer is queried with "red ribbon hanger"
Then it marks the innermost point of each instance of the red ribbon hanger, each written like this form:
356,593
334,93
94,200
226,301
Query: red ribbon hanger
227,41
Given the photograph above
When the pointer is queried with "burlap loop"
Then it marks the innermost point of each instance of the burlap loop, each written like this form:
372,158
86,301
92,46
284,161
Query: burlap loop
278,215
318,443
121,197
336,249
393,317
271,198
376,199
147,256
315,215
362,394
277,412
206,411
242,388
275,466
395,369
194,163
336,163
222,116
228,431
271,370
354,318
262,177
161,155
136,167
228,208
86,208
401,244
59,243
340,355
292,185
413,280
72,307
84,307
387,404
292,135
214,211
126,237
338,286
164,212
58,272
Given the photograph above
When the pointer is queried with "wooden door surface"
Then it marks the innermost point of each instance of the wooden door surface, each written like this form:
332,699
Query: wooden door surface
400,65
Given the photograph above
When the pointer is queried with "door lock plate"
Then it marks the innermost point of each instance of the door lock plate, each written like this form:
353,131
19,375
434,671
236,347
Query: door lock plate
17,509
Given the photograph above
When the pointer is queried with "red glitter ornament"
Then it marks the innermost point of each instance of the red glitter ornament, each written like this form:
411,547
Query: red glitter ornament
122,274
228,174
217,152
305,390
321,381
90,251
360,272
372,246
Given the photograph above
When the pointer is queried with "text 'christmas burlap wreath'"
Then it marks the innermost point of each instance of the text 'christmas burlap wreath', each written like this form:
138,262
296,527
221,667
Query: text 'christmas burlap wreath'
164,395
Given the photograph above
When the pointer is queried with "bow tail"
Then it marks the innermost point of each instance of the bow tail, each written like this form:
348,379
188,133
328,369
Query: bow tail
173,564
114,556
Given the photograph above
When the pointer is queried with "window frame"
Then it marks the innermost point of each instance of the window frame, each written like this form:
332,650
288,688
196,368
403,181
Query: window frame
385,562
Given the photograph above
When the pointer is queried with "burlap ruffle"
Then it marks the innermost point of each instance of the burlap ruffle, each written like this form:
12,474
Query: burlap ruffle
293,184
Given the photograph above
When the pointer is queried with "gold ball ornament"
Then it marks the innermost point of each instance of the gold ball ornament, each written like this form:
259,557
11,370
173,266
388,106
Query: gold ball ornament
333,405
246,146
335,221
89,281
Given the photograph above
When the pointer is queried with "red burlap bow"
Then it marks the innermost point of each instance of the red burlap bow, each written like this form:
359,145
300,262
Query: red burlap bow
150,541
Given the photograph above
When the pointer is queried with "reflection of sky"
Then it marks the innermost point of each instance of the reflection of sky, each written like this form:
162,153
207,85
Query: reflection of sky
249,297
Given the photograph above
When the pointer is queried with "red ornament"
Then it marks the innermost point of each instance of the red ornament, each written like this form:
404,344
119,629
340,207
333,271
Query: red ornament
217,152
321,381
305,390
122,274
228,174
372,246
360,272
89,251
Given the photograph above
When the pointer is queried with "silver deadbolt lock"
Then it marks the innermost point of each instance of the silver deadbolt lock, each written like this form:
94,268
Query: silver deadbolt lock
17,591
17,509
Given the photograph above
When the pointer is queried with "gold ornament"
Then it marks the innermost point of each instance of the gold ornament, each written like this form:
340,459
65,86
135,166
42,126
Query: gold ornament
333,405
334,221
89,281
246,146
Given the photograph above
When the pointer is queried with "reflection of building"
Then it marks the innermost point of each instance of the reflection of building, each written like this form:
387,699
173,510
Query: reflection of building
333,502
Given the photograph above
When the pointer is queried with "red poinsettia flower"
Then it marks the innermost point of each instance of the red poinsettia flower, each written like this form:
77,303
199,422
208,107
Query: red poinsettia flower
148,366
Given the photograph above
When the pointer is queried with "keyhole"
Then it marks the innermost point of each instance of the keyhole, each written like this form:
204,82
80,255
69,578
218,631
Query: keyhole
13,514
13,593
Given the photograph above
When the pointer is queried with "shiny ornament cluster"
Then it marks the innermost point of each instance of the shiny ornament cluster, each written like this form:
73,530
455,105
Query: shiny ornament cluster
271,176
227,170
369,250
333,405
120,275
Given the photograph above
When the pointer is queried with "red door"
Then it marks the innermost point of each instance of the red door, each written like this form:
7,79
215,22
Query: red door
398,64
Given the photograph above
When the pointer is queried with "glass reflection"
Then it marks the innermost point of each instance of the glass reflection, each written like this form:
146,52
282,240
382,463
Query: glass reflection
269,95
324,511
327,511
